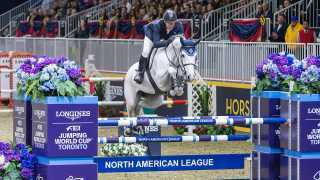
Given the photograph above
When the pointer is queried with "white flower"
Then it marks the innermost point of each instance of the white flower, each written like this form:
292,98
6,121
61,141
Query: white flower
282,53
2,160
124,149
41,60
6,165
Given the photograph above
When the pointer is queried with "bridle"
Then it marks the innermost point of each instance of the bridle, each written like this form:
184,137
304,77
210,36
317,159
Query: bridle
177,62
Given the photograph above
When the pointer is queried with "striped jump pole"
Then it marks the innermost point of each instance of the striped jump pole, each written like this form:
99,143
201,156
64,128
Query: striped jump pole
215,138
98,79
121,103
205,120
91,81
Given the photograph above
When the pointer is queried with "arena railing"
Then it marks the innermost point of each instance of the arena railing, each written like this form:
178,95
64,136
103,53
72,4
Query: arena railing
10,15
224,61
214,25
312,11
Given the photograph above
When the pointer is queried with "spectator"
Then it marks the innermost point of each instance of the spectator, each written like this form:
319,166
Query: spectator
143,15
124,15
280,28
154,14
197,18
187,12
32,15
293,30
161,11
275,37
102,20
38,16
259,11
116,15
288,12
216,4
286,3
46,4
204,10
307,35
209,7
128,6
83,31
267,13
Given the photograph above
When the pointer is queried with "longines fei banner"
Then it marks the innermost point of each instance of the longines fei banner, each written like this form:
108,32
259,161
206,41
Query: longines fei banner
232,101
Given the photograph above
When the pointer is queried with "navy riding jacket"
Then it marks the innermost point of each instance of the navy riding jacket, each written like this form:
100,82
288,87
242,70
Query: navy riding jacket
156,31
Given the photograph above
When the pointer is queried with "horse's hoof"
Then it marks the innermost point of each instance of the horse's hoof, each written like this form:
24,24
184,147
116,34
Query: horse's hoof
179,93
172,93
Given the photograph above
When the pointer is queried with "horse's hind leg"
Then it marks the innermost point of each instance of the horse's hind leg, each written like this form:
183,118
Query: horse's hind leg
131,98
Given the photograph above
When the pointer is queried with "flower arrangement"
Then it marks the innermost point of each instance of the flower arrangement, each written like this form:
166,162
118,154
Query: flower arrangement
16,162
306,75
273,71
121,149
46,76
276,72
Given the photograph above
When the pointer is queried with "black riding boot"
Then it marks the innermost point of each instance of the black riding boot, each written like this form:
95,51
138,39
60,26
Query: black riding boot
142,66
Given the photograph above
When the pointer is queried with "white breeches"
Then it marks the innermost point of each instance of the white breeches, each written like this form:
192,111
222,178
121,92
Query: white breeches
147,46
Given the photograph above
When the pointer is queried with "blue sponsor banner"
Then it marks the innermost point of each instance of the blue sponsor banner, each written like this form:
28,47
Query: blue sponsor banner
170,163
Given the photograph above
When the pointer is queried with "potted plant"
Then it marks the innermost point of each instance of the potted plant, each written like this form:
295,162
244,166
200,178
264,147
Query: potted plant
60,110
16,162
121,149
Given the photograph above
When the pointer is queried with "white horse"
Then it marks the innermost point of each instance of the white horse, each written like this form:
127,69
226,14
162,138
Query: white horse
170,67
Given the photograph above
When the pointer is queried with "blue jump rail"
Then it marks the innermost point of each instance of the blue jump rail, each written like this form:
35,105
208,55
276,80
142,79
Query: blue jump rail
204,120
214,138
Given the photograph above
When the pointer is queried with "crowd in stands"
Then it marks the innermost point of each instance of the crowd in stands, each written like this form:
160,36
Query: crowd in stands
288,28
128,19
134,12
59,9
44,21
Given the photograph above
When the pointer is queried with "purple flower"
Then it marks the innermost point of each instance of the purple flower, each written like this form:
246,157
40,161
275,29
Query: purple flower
296,73
21,146
78,82
27,68
283,60
38,67
272,55
313,60
4,147
259,70
74,73
26,173
285,70
61,60
273,75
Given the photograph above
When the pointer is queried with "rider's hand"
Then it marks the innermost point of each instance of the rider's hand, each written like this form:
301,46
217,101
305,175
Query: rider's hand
171,39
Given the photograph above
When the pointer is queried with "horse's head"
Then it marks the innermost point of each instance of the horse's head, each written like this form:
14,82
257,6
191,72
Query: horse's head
182,55
188,58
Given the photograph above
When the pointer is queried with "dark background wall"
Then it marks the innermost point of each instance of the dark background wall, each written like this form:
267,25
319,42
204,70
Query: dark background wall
9,4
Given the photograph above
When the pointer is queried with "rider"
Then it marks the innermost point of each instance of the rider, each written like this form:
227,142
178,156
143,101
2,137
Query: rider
157,34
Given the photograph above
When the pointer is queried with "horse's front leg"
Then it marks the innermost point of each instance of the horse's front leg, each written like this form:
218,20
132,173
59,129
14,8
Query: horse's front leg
173,76
177,82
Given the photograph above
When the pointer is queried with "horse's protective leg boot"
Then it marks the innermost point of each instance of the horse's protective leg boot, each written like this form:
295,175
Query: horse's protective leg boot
142,67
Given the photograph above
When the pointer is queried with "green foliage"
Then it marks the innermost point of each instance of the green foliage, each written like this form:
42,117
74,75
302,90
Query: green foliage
100,89
63,88
204,97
